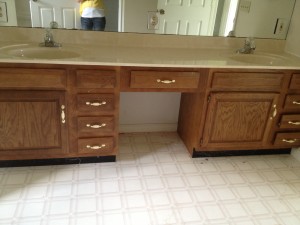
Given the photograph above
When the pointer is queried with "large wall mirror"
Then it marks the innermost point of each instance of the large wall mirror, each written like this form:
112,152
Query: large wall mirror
240,18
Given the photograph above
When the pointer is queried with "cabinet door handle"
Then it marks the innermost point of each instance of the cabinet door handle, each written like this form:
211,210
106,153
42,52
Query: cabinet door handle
274,112
165,81
296,103
95,147
63,115
96,126
294,123
291,141
96,103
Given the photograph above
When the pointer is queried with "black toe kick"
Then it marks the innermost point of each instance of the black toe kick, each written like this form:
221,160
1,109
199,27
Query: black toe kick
60,161
198,154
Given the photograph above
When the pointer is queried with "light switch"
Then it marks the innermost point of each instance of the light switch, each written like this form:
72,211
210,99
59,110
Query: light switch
245,6
3,12
280,26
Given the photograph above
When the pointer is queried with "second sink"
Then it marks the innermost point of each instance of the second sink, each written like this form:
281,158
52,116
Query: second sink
259,58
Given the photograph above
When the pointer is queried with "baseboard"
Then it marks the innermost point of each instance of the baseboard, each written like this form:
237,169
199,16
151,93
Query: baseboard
59,161
135,128
198,154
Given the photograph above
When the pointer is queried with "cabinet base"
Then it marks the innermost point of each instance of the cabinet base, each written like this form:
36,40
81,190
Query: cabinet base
60,161
198,154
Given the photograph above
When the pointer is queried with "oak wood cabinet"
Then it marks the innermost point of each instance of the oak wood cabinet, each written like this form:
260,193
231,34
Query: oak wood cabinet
239,110
72,111
33,124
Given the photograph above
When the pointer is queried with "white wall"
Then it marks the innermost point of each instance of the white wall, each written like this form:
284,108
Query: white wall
149,112
135,15
293,37
260,21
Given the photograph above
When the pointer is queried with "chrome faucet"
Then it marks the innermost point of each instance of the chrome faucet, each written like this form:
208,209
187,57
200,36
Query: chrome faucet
48,39
248,48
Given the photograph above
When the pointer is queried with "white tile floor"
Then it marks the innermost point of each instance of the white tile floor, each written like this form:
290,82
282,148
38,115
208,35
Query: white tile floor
155,182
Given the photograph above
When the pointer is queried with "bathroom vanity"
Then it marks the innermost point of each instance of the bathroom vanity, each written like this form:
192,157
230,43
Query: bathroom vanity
67,111
73,111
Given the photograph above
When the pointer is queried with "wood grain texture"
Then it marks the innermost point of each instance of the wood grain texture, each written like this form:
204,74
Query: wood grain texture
33,78
247,81
96,79
31,122
295,82
238,119
290,121
149,79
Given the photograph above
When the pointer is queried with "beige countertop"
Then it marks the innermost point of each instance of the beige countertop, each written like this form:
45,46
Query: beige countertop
135,50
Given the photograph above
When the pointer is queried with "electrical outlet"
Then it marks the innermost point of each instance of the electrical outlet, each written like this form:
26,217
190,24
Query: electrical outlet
245,6
153,20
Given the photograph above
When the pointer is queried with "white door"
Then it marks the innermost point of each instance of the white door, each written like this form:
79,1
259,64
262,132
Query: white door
187,17
64,12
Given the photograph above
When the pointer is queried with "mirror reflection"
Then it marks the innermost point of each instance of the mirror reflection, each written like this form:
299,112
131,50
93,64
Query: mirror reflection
240,18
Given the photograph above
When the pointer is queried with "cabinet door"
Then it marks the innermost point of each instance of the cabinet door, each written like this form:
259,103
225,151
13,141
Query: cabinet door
32,124
239,120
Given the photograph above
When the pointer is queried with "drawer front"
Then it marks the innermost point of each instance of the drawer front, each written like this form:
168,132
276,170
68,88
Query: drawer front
290,121
295,82
247,81
96,79
101,146
95,126
95,102
292,102
158,79
288,139
33,78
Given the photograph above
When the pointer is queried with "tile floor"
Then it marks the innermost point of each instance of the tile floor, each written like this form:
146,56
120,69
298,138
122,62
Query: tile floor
155,182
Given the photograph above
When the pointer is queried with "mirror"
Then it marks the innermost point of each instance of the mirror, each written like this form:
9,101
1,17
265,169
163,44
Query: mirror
240,18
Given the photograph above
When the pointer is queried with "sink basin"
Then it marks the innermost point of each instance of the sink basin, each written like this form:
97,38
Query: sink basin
260,59
35,52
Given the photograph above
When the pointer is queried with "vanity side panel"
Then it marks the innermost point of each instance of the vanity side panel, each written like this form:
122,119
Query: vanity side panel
192,114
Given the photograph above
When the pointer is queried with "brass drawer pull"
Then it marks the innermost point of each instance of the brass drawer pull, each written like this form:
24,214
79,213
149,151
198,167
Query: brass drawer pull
294,123
165,81
96,147
274,112
96,103
296,103
96,126
291,141
63,115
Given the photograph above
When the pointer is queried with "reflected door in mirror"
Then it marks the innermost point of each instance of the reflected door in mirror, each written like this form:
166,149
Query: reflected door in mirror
64,12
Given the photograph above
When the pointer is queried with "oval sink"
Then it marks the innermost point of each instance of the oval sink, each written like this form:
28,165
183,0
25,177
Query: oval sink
33,52
260,59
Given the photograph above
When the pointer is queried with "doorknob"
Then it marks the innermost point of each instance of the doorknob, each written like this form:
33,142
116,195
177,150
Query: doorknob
161,11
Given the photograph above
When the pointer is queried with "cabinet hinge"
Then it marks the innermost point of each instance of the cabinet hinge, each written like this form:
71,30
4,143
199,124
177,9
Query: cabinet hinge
208,98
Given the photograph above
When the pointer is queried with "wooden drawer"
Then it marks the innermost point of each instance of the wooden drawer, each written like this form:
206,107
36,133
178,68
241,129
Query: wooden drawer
95,126
292,102
288,139
96,79
295,82
290,121
95,102
101,146
247,81
159,79
33,78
